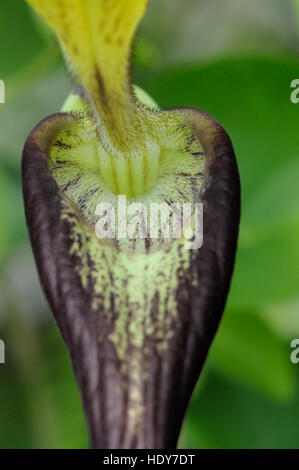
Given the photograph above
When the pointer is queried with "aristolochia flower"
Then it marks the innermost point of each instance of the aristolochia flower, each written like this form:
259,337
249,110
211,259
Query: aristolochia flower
137,313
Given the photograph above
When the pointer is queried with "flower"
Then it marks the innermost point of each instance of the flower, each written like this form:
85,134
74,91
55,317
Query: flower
137,315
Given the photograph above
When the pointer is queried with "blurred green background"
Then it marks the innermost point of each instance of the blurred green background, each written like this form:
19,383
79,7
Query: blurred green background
234,59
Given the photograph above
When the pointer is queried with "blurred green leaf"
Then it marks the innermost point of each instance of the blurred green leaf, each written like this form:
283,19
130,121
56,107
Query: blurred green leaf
230,416
266,271
41,402
248,352
147,54
19,38
11,213
276,202
284,319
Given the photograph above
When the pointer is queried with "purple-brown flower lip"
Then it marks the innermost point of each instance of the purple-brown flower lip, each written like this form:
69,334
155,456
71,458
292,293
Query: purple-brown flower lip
136,358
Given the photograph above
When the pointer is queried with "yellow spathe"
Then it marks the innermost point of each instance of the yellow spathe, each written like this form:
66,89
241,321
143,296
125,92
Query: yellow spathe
96,36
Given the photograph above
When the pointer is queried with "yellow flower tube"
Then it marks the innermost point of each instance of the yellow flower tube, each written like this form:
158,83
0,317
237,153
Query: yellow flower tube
96,36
